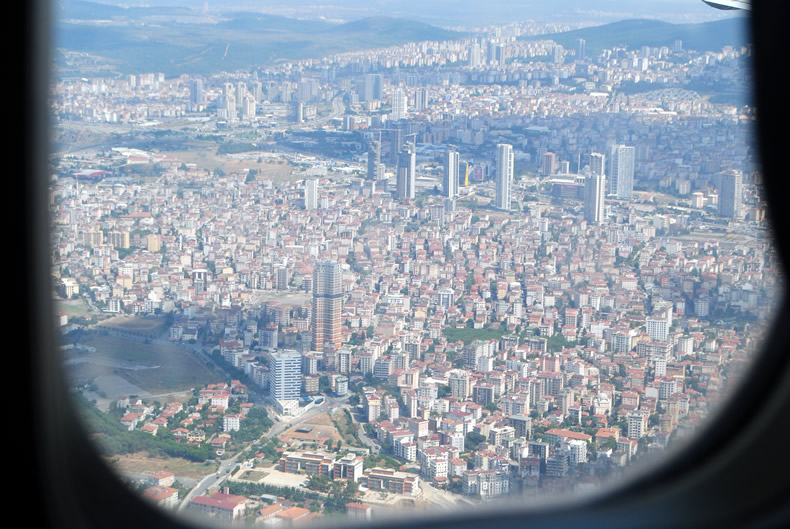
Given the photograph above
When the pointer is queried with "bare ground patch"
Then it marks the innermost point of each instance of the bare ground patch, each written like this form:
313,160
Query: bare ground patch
141,462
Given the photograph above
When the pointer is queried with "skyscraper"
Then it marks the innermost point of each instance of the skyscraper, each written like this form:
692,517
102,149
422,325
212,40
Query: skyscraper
621,171
285,375
375,167
241,91
549,164
327,305
474,55
399,104
731,194
597,163
593,197
406,178
450,182
372,89
196,93
311,193
581,46
504,175
420,99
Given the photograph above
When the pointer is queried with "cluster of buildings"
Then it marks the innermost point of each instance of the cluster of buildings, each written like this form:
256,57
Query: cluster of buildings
207,420
515,325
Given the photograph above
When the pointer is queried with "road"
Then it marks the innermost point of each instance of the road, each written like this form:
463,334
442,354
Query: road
363,436
227,465
438,497
212,480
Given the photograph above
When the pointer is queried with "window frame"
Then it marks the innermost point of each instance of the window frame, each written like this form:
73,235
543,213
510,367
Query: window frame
735,473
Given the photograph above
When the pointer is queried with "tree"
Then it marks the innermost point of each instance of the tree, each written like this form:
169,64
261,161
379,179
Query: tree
472,441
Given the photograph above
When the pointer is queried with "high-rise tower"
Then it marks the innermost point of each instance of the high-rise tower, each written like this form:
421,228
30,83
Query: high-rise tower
327,305
196,93
372,87
311,193
597,163
375,167
581,46
593,197
474,55
285,375
406,178
549,165
621,171
450,182
504,175
399,104
731,194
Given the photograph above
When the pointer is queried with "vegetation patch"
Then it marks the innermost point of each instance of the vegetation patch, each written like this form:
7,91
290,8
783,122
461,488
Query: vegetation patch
468,335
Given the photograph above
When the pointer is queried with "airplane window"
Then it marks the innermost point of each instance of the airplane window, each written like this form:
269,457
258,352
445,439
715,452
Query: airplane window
324,261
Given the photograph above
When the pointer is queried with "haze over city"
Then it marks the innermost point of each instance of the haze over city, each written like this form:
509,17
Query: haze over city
448,256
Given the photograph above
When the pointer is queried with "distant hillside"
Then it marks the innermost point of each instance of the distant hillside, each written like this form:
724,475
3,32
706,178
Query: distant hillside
257,22
707,36
79,10
179,40
388,27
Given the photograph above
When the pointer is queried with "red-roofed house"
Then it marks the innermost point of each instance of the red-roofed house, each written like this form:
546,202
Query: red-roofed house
226,507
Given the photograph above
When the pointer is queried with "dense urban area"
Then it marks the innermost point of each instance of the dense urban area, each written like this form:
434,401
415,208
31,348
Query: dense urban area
422,276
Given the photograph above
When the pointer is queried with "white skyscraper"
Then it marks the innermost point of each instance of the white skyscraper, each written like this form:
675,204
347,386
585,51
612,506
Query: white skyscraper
399,105
311,194
504,175
406,178
593,198
450,182
285,375
731,195
241,91
474,55
372,88
581,48
621,171
598,163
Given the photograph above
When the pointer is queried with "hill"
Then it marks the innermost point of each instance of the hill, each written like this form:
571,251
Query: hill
706,36
179,40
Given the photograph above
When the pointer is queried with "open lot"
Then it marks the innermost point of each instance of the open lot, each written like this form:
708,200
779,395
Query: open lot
73,308
346,428
320,429
155,368
205,157
142,463
283,479
253,475
295,299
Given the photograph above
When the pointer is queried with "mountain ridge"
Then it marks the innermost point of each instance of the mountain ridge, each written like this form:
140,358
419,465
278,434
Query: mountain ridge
635,33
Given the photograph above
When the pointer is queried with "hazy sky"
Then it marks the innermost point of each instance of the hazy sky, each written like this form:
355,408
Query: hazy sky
466,12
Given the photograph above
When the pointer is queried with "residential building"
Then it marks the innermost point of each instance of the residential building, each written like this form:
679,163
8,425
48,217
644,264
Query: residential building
504,175
731,195
285,378
450,181
621,171
327,305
